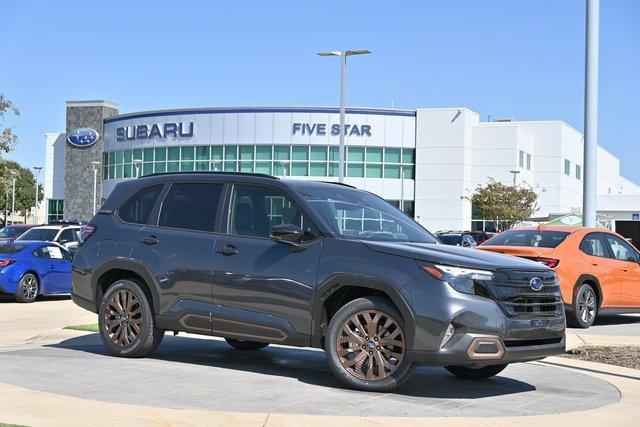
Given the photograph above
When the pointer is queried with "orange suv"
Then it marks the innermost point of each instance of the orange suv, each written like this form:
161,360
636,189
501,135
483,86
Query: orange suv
599,270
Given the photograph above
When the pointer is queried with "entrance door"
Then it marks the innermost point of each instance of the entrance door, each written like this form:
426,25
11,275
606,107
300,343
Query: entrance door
263,290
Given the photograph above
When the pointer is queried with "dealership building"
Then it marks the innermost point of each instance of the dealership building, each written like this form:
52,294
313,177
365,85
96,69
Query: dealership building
429,161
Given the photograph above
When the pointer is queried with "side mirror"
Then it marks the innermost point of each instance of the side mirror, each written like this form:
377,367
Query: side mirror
287,233
466,244
63,242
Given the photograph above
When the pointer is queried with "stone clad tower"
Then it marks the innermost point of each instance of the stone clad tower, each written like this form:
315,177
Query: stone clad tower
78,180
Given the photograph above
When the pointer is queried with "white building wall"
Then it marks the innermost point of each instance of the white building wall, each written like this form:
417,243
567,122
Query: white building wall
54,165
443,174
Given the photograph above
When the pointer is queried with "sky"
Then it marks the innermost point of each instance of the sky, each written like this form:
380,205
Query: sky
519,59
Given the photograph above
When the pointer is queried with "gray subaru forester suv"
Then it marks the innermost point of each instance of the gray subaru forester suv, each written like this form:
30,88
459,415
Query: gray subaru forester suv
258,260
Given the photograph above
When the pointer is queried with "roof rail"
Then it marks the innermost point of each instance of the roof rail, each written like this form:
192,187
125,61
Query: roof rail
340,183
261,175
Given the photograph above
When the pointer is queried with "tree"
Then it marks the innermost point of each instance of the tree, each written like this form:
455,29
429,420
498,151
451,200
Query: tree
25,188
504,204
8,139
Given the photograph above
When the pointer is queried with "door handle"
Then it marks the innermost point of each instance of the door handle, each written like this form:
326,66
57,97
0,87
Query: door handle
150,240
52,267
227,250
625,269
595,264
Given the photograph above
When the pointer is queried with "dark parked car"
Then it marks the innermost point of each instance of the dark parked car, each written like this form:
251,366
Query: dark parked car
12,232
481,236
456,238
258,260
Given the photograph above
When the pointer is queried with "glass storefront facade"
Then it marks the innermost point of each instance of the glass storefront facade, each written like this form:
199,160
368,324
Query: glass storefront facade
55,210
278,160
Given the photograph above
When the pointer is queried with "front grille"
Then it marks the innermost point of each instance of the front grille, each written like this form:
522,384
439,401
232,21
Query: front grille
513,292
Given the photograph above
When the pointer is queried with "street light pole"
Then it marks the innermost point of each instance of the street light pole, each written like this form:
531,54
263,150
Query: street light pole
589,184
37,170
95,165
343,81
136,163
13,197
515,174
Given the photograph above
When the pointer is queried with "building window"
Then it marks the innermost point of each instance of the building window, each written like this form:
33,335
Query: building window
578,172
567,167
55,210
521,158
279,160
528,162
408,206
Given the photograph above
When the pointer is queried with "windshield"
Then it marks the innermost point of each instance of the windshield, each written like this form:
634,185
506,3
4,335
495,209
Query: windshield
11,248
45,234
450,239
531,238
361,215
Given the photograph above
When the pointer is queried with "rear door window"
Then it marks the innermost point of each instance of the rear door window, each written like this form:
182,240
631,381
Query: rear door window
138,208
68,235
191,206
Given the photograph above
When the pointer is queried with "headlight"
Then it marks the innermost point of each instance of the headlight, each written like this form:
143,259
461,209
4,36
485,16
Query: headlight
459,278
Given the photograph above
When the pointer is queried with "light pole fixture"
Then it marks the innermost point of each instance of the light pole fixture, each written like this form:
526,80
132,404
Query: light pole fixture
515,174
37,170
13,194
589,183
343,77
96,166
137,163
284,169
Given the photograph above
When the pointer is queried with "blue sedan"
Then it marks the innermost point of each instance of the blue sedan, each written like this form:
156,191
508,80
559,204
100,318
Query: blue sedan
29,269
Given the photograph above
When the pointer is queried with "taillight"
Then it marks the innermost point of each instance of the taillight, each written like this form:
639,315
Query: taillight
87,231
549,262
6,262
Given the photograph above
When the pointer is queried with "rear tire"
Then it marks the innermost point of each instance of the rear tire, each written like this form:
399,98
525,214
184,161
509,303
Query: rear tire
126,321
585,308
28,288
246,345
366,345
475,373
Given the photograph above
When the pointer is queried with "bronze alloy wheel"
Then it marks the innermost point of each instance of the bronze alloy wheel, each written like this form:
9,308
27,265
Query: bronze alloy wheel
123,318
370,345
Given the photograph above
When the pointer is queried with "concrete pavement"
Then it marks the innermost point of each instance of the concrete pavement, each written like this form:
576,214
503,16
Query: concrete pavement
63,377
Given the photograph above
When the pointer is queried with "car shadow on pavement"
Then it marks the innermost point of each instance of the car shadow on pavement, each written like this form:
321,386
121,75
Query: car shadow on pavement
7,299
305,365
604,319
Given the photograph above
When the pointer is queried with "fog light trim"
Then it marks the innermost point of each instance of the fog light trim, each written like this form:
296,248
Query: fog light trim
485,344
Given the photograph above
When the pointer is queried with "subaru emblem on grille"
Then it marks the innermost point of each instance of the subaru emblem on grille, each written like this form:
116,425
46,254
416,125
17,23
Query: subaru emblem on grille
536,284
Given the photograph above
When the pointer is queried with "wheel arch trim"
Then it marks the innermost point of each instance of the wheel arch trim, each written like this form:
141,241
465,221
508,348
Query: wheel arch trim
339,281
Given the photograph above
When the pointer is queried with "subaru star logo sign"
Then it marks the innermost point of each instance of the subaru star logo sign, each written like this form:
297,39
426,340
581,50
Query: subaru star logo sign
536,284
83,137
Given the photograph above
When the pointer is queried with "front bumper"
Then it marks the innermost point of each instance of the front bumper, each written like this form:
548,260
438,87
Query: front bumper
435,306
457,353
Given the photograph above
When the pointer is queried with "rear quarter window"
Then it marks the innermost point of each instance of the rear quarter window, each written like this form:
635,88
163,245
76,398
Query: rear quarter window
138,208
11,248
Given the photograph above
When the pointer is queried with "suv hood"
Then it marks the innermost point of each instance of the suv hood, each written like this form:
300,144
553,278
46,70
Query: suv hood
455,256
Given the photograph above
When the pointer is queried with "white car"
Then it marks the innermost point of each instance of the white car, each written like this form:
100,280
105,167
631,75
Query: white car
65,235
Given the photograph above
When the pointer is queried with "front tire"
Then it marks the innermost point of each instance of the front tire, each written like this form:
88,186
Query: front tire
366,345
475,373
585,308
246,345
28,288
125,318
